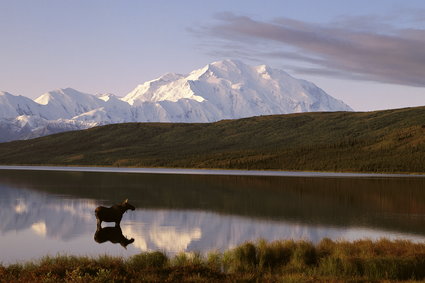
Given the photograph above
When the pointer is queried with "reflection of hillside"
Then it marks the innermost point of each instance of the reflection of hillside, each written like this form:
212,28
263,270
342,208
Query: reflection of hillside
65,218
47,215
393,204
174,231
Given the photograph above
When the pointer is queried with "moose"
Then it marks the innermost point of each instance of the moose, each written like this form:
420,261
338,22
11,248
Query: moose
112,214
113,235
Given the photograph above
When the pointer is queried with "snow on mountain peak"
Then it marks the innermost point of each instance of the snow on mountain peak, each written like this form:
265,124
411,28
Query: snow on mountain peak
106,96
67,103
4,93
63,94
230,89
227,89
12,106
170,87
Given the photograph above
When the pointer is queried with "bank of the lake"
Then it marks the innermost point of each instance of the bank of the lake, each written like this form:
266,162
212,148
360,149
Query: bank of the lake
289,261
390,141
195,171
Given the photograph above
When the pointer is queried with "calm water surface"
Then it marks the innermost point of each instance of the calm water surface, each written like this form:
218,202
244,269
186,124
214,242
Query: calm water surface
50,213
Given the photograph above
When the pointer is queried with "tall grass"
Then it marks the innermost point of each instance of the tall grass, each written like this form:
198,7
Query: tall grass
287,261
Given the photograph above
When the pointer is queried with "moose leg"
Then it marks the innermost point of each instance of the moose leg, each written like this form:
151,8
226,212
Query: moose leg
99,223
118,221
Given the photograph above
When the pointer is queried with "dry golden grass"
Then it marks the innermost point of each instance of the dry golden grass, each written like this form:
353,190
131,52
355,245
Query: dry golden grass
280,261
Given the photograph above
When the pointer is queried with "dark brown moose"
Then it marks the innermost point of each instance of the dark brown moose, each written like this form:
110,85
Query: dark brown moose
112,214
113,235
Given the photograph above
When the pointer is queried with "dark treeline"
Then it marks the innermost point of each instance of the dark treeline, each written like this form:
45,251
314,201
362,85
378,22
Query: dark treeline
380,141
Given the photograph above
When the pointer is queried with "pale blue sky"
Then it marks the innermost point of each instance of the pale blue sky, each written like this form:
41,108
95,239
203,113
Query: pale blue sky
364,52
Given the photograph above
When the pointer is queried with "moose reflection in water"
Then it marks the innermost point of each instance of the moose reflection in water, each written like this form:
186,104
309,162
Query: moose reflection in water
113,235
112,214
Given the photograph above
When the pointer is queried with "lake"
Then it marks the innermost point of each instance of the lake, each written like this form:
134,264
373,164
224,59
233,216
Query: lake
52,212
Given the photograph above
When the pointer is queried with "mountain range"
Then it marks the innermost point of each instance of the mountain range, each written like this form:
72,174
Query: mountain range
227,89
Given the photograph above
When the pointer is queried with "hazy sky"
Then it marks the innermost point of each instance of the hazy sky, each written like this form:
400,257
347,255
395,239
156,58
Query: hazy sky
371,54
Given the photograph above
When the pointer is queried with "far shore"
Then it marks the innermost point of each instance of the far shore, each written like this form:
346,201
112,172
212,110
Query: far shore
229,172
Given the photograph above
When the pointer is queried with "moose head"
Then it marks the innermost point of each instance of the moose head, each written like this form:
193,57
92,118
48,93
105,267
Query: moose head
127,205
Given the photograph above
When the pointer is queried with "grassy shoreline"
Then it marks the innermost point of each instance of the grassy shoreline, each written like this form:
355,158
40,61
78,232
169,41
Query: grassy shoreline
288,261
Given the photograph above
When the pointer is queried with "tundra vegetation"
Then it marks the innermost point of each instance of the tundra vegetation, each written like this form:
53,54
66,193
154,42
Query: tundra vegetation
379,141
279,261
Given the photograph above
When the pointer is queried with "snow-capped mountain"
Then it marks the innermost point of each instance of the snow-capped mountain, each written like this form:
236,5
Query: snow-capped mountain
226,89
12,106
230,89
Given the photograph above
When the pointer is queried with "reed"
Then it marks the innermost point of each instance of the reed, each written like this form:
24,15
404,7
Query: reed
278,261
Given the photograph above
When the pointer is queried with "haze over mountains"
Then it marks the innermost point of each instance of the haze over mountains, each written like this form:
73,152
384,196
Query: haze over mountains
225,89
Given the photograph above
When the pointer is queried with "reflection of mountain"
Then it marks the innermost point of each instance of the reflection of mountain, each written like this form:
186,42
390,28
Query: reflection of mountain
46,214
394,204
164,229
154,232
175,231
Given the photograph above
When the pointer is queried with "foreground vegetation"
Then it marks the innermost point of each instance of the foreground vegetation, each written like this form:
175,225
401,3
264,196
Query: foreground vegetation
380,141
287,261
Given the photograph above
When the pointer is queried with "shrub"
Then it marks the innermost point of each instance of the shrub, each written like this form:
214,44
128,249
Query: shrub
274,255
148,260
215,261
304,255
286,261
243,257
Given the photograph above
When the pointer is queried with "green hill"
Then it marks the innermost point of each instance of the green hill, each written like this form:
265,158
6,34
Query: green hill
380,141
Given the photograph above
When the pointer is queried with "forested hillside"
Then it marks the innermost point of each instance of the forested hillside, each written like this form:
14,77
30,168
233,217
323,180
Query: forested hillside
380,141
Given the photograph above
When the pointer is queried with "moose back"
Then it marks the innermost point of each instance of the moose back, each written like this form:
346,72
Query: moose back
113,213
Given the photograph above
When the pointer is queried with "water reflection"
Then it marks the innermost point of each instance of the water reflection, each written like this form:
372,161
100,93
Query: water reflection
113,235
175,231
198,213
39,228
47,215
112,214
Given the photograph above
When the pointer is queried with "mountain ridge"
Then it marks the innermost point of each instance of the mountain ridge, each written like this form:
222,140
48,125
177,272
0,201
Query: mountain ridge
227,89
